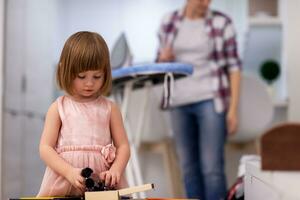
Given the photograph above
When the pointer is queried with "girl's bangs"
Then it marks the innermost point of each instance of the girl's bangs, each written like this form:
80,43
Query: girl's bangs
89,60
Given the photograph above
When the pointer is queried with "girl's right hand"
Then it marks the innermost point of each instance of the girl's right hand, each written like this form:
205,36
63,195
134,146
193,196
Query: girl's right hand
75,178
166,55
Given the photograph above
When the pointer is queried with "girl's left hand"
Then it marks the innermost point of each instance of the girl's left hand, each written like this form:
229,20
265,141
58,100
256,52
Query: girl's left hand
111,177
232,122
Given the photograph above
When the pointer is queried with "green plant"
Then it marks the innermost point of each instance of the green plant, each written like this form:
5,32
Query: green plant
269,71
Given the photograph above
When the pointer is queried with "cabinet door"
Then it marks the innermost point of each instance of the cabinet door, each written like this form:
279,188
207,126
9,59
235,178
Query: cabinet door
39,66
31,163
12,153
14,55
13,95
259,190
22,166
29,69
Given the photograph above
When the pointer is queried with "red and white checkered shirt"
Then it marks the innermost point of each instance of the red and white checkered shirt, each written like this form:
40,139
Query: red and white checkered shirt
220,29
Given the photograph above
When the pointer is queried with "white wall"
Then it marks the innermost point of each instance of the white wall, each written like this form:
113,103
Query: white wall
2,16
291,16
139,19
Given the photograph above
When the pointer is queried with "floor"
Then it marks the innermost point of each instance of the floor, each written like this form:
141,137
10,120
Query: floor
155,171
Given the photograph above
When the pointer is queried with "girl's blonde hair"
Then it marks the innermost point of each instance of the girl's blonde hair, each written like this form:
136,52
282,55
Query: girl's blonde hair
83,51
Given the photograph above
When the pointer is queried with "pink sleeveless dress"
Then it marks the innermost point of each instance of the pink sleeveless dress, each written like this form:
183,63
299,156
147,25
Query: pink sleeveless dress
84,141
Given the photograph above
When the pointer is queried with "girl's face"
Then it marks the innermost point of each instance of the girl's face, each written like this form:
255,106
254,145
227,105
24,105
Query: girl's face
87,85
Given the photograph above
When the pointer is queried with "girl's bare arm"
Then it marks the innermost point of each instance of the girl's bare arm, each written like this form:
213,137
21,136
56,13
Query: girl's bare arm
48,153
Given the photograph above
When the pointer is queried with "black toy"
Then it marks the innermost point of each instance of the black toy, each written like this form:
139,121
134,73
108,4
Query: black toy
92,181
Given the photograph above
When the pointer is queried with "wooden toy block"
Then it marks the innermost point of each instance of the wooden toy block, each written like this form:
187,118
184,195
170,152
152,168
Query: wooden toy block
107,195
116,194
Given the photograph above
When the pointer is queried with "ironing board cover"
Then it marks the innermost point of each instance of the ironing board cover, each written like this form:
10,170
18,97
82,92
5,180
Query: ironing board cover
156,72
152,70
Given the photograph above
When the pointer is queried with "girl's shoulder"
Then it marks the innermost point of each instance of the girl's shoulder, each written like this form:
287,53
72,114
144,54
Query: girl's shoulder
107,101
59,99
58,103
53,111
53,106
113,106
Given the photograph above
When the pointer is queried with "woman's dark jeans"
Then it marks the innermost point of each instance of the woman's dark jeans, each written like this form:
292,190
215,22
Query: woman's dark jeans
200,135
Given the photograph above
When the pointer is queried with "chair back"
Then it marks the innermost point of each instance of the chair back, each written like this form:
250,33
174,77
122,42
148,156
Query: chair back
280,147
255,109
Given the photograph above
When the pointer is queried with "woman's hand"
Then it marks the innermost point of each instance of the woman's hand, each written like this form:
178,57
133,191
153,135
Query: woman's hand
111,177
75,178
166,55
232,122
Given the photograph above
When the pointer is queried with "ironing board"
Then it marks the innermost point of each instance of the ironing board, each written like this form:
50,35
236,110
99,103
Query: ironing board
152,71
126,79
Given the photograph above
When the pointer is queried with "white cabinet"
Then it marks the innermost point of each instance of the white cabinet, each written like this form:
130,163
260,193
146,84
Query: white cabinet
271,185
265,12
257,189
30,35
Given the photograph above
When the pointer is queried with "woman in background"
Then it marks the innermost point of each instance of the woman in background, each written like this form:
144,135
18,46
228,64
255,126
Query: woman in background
204,105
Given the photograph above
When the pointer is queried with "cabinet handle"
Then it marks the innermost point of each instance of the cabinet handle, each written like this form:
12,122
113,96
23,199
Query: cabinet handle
23,84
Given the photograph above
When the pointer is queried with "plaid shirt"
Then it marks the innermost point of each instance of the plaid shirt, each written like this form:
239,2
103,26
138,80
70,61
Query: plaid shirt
220,29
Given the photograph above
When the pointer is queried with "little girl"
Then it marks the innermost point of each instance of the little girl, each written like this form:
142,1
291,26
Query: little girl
83,128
